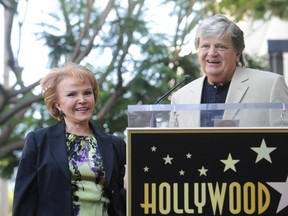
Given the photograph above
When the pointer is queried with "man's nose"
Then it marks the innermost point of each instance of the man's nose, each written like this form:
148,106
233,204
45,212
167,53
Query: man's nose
212,51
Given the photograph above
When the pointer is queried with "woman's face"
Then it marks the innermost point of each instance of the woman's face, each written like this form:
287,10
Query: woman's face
218,58
76,100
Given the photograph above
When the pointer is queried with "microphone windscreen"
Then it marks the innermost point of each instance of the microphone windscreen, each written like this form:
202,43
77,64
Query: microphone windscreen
187,77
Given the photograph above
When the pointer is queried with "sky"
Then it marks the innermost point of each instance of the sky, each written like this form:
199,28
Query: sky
33,55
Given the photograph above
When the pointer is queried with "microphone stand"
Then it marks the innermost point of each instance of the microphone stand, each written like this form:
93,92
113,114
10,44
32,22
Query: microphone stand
153,122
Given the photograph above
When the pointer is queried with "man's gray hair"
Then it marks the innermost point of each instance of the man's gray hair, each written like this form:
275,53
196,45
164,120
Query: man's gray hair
220,26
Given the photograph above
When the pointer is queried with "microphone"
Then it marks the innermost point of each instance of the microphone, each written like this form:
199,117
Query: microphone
153,123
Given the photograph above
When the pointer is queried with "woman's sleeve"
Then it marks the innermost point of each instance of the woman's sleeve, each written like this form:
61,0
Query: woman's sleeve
25,191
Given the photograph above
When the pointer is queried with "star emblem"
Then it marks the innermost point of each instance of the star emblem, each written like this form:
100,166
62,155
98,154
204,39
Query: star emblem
153,148
168,159
229,163
181,172
282,188
263,152
203,171
188,155
146,169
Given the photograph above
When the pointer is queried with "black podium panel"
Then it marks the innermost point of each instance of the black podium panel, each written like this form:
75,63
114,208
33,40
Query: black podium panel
229,171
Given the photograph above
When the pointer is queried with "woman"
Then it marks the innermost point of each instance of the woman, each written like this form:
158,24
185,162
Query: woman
71,168
220,44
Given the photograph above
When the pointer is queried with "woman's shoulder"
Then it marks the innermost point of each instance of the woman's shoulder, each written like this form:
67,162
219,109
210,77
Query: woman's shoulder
43,131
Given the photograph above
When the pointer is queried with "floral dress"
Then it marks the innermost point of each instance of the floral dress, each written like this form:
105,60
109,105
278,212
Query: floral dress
88,176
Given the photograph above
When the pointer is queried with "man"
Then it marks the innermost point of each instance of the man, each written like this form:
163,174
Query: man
220,44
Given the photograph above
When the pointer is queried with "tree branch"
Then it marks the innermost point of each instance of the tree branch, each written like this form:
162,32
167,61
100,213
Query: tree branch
84,30
18,107
99,25
109,104
10,147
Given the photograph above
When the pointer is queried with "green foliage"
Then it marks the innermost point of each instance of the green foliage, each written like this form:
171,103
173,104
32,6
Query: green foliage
7,166
256,9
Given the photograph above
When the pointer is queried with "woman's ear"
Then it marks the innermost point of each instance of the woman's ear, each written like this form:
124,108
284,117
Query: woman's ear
57,105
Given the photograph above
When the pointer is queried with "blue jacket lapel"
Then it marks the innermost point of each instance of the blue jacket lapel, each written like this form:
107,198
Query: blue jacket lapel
106,150
56,139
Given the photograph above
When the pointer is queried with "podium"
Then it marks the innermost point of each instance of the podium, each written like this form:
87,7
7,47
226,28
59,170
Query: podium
233,166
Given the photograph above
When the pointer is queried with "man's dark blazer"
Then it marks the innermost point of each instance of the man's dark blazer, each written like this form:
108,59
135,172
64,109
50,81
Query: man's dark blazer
43,182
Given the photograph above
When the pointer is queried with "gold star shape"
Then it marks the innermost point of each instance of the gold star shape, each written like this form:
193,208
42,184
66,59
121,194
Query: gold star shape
263,152
168,159
203,171
229,163
188,155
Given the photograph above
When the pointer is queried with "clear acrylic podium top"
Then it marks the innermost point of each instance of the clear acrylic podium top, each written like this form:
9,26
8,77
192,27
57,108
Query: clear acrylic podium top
209,115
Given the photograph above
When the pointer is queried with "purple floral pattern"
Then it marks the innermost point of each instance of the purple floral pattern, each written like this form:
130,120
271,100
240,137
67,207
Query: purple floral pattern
83,150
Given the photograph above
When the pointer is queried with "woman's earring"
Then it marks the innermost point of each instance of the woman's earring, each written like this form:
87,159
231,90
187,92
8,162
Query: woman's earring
61,114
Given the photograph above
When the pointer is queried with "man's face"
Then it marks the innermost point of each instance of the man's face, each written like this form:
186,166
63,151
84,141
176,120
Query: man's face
218,58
